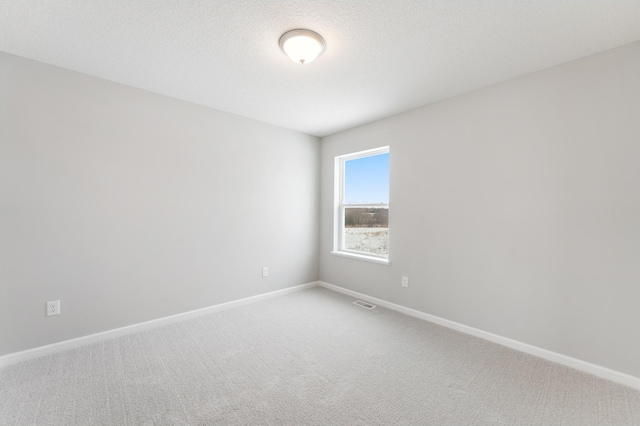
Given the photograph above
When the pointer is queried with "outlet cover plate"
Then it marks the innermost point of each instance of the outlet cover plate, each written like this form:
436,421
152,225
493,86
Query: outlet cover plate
53,308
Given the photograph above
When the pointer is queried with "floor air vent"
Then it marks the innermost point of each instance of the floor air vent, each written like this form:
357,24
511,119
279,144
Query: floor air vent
364,304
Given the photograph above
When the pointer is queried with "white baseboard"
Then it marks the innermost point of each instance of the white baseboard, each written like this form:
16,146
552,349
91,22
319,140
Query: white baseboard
596,370
135,328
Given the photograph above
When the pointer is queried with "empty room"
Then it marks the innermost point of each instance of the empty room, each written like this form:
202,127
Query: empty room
319,212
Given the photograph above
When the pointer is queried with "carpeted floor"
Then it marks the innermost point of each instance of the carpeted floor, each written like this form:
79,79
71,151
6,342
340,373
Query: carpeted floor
307,358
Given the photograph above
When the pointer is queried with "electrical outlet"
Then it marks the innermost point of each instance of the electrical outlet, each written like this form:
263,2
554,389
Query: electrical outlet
405,281
265,271
53,308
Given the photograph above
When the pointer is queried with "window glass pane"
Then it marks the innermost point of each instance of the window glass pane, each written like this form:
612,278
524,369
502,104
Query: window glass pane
367,180
363,206
367,230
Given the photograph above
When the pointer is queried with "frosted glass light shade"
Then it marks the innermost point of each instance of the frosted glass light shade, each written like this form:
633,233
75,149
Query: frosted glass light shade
302,46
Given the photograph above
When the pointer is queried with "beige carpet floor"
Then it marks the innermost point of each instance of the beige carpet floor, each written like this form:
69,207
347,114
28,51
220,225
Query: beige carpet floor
307,358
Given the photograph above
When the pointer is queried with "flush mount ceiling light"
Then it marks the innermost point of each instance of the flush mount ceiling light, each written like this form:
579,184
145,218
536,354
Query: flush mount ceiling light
302,46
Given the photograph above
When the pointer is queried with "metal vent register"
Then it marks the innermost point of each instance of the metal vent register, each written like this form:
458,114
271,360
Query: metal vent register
364,304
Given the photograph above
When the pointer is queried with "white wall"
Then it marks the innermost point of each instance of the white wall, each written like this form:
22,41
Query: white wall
129,206
515,209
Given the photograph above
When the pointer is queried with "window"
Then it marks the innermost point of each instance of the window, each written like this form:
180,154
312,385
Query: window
361,215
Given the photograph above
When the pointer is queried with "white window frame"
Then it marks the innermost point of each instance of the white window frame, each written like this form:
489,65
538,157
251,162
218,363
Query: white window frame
340,206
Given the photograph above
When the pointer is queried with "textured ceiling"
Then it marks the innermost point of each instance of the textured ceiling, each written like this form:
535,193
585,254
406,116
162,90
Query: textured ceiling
382,57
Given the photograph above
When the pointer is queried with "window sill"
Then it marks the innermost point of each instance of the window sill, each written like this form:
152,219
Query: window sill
372,259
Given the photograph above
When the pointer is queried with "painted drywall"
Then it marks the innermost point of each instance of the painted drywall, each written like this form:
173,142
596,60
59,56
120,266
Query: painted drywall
129,206
514,209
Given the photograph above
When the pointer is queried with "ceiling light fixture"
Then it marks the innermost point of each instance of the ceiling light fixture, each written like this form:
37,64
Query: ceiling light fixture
302,46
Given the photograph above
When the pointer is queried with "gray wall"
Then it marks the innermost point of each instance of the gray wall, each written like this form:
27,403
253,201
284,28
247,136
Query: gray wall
129,206
515,209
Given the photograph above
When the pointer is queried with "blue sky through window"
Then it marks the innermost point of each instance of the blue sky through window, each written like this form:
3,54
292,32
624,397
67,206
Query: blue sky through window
367,180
